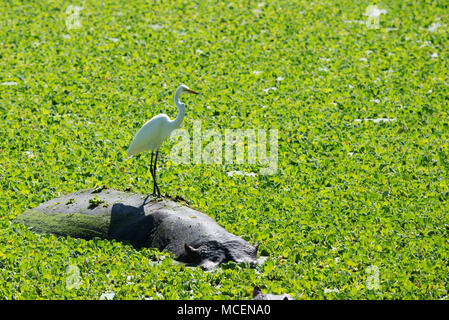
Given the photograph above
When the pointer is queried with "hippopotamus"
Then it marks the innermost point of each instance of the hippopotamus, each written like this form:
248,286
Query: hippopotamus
258,295
142,221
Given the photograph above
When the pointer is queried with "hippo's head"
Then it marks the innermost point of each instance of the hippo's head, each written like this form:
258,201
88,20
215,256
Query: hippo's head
258,295
212,253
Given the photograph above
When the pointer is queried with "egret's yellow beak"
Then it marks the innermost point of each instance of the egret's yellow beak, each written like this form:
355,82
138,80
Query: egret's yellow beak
191,91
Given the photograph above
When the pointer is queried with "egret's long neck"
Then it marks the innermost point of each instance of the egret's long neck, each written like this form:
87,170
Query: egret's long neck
181,110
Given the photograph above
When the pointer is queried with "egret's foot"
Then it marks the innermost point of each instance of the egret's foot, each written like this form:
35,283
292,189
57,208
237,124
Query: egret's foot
156,195
155,192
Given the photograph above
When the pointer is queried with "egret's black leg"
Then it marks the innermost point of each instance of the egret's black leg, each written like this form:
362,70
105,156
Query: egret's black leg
152,173
155,164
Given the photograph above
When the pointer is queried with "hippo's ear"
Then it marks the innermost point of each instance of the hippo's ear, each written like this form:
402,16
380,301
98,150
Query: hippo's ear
256,247
256,291
191,252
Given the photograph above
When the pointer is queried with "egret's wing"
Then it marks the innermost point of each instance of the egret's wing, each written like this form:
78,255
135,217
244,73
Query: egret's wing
145,137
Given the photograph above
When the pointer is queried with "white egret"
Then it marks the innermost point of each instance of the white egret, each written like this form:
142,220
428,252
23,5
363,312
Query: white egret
155,131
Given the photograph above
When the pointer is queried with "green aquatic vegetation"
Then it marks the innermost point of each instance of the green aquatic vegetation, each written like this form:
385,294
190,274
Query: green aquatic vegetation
95,202
358,206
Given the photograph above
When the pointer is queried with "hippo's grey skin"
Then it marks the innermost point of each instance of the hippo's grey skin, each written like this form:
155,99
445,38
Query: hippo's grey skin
143,221
258,295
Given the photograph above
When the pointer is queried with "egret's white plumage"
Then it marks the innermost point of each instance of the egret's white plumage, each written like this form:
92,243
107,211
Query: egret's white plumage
153,133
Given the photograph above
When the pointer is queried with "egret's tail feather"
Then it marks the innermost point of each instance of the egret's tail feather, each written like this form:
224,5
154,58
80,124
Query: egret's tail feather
130,152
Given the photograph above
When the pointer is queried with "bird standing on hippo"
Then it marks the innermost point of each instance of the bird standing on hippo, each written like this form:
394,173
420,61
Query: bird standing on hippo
155,131
145,220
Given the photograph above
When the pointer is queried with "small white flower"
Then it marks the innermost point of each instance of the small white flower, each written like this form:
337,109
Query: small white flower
156,26
112,39
434,27
29,154
426,44
376,120
241,173
326,290
128,280
108,295
323,69
270,88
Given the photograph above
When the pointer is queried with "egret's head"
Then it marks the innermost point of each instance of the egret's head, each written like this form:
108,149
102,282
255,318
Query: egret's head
186,89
